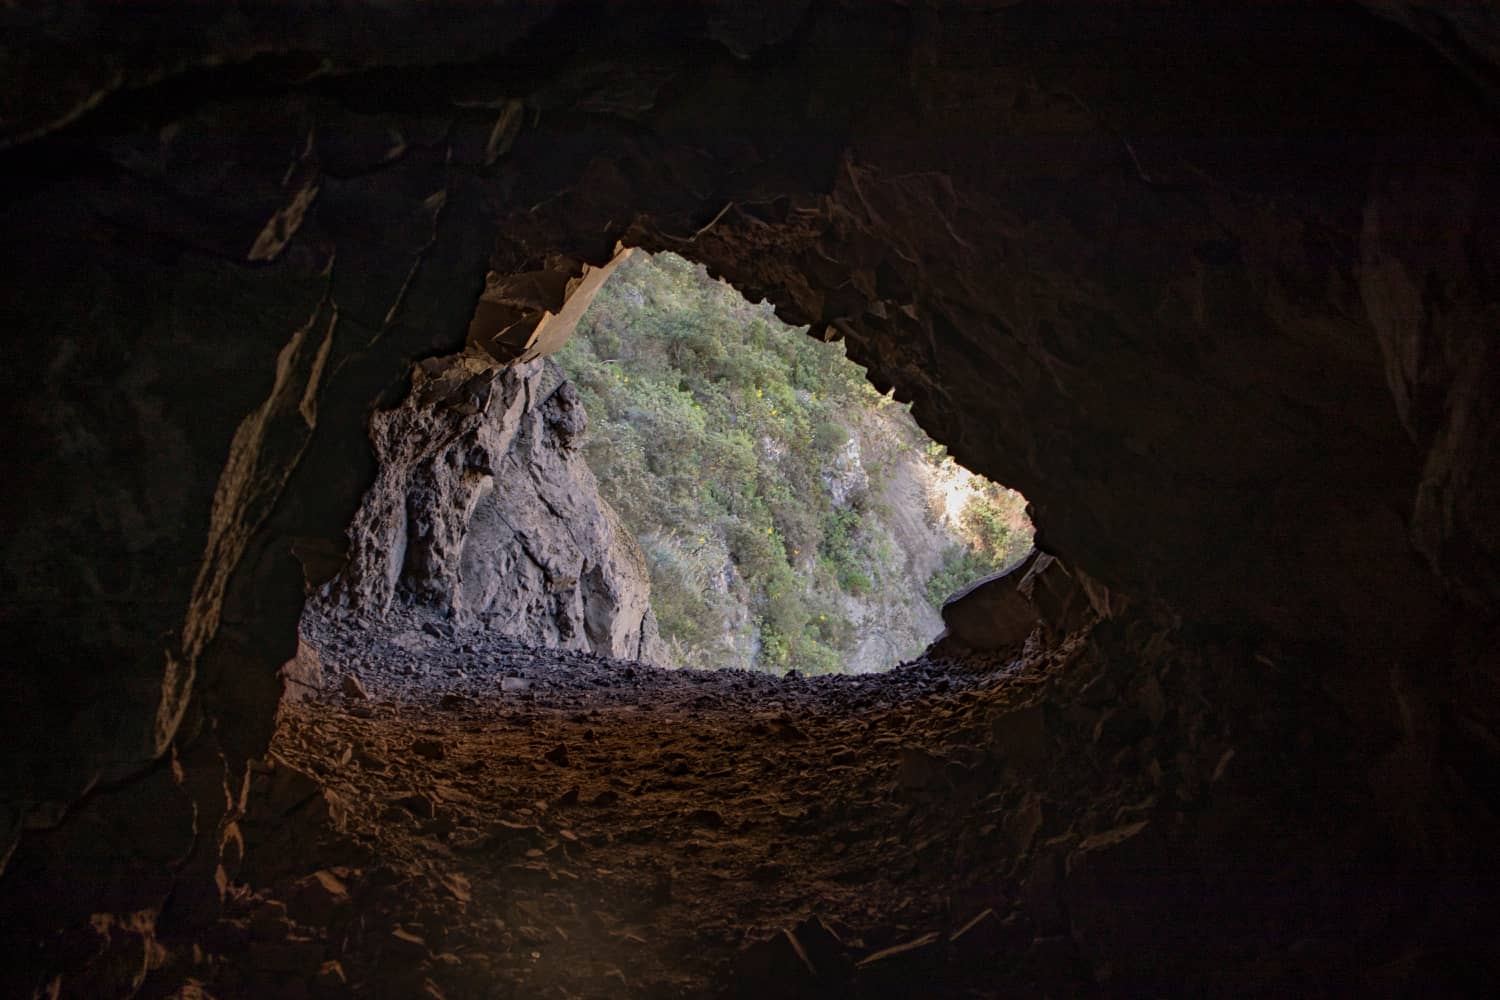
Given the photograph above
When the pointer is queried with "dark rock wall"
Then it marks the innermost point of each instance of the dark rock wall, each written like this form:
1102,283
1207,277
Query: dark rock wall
1213,285
484,510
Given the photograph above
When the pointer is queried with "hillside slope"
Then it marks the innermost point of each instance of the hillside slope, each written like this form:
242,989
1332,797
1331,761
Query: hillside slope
791,516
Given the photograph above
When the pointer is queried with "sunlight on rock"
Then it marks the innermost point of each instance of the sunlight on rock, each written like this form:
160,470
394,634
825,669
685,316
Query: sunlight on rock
793,517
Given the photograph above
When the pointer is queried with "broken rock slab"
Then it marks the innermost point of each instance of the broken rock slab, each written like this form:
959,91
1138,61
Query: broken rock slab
302,675
1000,612
910,968
1059,595
989,615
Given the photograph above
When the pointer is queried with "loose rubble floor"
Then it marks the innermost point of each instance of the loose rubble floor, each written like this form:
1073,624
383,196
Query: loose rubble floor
452,814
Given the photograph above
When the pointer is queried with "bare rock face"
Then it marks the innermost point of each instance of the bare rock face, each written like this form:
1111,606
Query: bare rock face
546,559
484,509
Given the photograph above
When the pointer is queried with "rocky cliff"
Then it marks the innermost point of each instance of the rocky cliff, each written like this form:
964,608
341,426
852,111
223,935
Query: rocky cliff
484,510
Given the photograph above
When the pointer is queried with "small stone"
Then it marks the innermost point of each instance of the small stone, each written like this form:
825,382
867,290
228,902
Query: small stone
417,804
558,755
706,817
459,886
983,936
352,688
450,702
431,749
318,897
1219,768
824,949
919,770
269,922
514,685
907,963
298,956
404,942
776,967
606,798
791,732
368,759
330,979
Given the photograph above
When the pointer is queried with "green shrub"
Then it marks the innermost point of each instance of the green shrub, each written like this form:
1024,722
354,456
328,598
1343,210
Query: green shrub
961,567
855,581
830,437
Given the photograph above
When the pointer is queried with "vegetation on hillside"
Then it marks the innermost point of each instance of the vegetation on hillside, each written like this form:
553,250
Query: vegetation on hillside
727,442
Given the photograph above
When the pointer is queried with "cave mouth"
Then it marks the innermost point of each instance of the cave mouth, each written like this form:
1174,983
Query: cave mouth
516,788
667,473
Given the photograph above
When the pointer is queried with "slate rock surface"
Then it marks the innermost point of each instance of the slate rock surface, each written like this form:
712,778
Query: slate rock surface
484,510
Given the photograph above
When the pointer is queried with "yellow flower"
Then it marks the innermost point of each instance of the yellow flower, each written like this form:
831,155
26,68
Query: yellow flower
759,393
768,531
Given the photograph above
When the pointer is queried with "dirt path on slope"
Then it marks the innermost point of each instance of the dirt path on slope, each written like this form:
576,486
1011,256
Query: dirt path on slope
528,823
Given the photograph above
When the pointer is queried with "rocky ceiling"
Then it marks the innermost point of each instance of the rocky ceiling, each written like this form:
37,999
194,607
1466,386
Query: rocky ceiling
1214,285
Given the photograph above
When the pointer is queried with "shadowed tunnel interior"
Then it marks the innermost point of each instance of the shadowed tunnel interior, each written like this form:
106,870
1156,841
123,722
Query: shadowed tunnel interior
1212,285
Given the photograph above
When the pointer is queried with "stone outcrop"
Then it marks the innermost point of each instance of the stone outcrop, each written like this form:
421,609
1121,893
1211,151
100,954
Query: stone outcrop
1000,612
1211,284
990,614
483,508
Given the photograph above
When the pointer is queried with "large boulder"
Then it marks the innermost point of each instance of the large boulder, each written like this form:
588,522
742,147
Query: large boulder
990,614
485,511
1001,611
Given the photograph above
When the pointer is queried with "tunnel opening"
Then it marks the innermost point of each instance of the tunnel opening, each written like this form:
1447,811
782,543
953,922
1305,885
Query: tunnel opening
670,474
485,716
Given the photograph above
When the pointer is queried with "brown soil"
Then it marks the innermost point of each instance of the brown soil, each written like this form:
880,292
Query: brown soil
518,822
